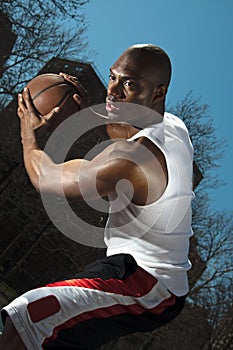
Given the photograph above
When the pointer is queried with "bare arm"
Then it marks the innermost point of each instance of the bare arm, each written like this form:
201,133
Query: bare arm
98,177
134,162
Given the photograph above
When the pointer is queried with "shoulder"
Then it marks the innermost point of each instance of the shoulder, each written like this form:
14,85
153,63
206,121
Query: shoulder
177,122
137,161
130,157
137,150
119,160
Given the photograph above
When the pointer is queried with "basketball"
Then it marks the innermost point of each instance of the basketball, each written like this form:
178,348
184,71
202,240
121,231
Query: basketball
52,90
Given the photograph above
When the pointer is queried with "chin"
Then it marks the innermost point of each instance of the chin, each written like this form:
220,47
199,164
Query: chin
114,117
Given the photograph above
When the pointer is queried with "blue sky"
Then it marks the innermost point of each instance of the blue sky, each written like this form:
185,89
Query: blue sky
197,35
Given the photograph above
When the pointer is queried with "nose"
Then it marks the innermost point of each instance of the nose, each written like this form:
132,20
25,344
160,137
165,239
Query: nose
115,89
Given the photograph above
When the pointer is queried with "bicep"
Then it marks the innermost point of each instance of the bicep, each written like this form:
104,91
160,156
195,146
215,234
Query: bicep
60,179
99,177
86,179
81,178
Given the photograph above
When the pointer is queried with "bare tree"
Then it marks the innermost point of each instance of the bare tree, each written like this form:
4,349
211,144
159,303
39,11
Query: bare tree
215,246
44,29
213,229
221,318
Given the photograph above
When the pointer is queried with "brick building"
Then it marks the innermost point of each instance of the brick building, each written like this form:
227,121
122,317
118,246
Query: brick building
32,250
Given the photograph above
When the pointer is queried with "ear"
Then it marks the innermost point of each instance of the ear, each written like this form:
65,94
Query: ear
160,93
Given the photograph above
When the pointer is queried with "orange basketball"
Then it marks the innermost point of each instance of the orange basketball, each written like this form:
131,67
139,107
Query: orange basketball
52,90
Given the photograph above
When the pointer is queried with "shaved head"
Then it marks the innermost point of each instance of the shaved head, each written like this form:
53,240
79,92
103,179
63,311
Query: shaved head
155,59
141,75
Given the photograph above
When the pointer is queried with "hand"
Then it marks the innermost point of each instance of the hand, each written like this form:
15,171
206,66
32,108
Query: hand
29,117
81,98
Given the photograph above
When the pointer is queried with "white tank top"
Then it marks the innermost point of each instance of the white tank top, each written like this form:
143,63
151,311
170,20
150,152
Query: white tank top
157,235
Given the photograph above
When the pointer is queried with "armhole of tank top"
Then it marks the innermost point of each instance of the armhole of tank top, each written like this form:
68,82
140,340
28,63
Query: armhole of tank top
133,138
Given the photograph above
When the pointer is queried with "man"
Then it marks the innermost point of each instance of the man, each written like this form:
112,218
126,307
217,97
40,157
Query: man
142,283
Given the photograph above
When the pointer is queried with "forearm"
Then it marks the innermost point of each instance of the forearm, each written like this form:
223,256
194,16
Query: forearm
45,175
35,159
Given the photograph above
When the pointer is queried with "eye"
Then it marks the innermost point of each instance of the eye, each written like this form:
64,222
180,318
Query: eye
112,77
131,84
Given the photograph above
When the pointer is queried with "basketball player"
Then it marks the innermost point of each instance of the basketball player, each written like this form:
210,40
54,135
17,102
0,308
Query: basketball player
142,283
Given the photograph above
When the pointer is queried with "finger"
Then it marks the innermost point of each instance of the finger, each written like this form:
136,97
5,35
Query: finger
21,101
77,99
72,80
28,100
76,83
21,104
68,76
20,113
51,114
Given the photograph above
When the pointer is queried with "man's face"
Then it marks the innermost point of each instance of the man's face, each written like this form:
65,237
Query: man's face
130,81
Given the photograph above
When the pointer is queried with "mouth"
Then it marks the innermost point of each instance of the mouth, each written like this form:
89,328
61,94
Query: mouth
111,107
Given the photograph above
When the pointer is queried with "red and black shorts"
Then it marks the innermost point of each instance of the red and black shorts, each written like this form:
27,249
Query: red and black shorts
112,297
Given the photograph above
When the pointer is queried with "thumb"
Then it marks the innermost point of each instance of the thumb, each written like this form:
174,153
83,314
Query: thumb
51,114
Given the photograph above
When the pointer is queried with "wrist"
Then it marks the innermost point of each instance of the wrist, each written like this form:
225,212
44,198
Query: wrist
28,139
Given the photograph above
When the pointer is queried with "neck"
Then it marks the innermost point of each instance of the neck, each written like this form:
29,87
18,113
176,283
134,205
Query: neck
159,108
120,131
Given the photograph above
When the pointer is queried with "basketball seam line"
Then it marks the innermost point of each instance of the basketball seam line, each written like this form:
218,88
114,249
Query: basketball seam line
47,88
63,98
